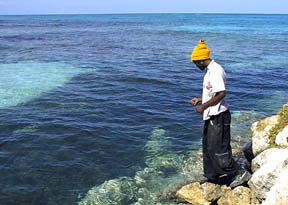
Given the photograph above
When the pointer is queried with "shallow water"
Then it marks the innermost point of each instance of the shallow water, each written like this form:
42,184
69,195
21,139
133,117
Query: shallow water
81,96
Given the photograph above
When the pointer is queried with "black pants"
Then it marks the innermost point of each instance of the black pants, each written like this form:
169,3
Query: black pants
217,153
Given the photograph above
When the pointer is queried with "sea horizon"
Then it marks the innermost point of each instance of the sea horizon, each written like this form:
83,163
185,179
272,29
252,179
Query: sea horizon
142,13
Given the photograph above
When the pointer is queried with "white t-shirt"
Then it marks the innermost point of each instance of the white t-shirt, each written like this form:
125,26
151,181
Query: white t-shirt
213,82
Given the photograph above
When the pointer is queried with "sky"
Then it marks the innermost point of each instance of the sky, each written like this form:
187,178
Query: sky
141,6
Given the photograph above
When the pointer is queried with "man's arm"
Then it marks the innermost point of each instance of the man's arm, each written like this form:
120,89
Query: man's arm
213,101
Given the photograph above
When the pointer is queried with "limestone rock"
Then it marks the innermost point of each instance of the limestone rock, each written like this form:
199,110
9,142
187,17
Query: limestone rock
240,196
197,194
282,137
271,157
278,195
267,166
260,130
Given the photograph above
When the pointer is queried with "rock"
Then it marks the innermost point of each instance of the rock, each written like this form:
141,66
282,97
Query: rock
248,152
260,129
193,165
236,151
144,196
269,182
197,194
278,195
115,191
282,137
240,196
269,158
268,166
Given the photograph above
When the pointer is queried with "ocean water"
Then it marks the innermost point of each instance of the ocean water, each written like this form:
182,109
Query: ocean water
94,108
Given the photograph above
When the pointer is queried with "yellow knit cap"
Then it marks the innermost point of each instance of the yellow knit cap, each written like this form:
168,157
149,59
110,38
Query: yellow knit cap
200,52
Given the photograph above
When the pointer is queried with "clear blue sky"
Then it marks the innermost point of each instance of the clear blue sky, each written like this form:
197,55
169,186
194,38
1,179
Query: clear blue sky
141,6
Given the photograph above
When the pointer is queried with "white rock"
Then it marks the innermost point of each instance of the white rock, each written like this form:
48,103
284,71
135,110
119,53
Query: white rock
282,137
278,195
268,166
260,129
269,158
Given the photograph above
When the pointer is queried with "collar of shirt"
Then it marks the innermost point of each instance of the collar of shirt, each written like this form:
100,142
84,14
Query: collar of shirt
210,65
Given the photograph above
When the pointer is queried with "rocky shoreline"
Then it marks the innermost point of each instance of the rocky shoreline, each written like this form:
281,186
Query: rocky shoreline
267,159
170,178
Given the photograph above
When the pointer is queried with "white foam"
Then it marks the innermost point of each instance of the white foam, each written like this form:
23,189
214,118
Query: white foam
22,82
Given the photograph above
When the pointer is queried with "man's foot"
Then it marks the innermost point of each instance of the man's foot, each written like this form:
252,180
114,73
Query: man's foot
240,179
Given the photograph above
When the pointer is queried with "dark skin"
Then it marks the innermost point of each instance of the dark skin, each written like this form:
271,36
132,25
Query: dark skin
202,64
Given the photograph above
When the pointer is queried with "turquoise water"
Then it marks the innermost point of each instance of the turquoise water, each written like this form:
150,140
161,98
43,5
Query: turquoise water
99,102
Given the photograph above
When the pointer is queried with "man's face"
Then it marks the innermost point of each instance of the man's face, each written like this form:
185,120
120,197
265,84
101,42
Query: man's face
200,64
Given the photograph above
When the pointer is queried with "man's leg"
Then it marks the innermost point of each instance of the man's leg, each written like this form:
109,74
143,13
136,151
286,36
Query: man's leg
217,154
208,167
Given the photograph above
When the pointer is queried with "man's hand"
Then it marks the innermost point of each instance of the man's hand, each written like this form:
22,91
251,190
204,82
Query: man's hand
200,109
195,101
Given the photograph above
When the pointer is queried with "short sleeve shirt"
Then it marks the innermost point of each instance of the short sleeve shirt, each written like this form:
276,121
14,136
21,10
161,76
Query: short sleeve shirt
213,82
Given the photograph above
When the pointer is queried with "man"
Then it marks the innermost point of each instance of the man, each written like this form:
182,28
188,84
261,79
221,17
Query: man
218,163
